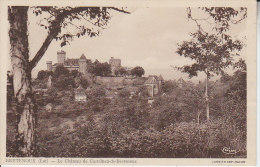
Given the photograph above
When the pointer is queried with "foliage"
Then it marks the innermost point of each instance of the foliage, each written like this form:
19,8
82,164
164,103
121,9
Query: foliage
64,82
43,74
97,92
60,70
137,71
210,53
124,93
84,82
75,73
131,128
236,101
169,86
225,16
122,71
116,72
100,69
54,19
58,18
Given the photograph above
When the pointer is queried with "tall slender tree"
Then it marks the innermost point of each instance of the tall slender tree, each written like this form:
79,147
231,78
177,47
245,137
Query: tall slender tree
55,20
213,52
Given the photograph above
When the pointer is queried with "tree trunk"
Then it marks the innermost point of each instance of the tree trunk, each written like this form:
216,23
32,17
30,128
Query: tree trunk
207,97
18,33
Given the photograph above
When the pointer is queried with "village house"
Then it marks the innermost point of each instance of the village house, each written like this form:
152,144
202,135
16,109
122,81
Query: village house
49,107
80,94
180,82
154,85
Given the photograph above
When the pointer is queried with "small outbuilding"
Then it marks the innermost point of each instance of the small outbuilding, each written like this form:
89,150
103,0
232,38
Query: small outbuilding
49,107
154,84
80,94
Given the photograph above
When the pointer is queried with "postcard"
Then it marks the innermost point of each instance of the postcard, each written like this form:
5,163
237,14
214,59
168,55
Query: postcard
128,82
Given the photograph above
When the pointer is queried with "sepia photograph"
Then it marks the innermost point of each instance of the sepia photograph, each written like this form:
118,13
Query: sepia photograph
127,82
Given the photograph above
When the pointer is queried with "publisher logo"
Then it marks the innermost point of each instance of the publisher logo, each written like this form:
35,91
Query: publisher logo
228,150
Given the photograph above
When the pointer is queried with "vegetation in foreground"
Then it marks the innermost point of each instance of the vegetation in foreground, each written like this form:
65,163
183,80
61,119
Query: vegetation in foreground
174,126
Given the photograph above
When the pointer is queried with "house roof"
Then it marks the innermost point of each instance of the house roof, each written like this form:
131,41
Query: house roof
181,80
160,78
152,79
80,91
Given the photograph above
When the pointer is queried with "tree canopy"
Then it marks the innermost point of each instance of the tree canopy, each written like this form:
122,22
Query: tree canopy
137,71
61,70
100,69
43,74
210,52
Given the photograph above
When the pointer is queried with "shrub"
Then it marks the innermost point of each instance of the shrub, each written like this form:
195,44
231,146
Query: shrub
124,93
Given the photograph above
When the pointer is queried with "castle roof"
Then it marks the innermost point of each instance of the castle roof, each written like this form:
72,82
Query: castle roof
83,57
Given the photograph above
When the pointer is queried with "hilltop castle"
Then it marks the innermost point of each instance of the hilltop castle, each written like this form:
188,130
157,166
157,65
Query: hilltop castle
80,64
71,64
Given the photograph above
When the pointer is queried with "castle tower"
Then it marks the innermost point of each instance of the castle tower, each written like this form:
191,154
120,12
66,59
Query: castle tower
115,64
49,65
83,64
61,56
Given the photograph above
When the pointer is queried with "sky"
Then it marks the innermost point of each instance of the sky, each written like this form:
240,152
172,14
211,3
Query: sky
147,37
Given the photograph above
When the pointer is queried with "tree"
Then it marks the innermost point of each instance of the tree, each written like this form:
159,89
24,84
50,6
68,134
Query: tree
116,72
212,56
44,74
83,82
100,69
61,70
169,86
56,19
64,82
137,71
75,73
124,93
212,52
122,71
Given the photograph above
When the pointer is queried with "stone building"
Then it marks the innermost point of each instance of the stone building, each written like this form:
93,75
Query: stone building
115,64
49,82
71,64
180,82
80,94
154,85
49,107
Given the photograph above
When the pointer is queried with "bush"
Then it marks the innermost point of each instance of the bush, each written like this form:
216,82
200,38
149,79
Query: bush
124,93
